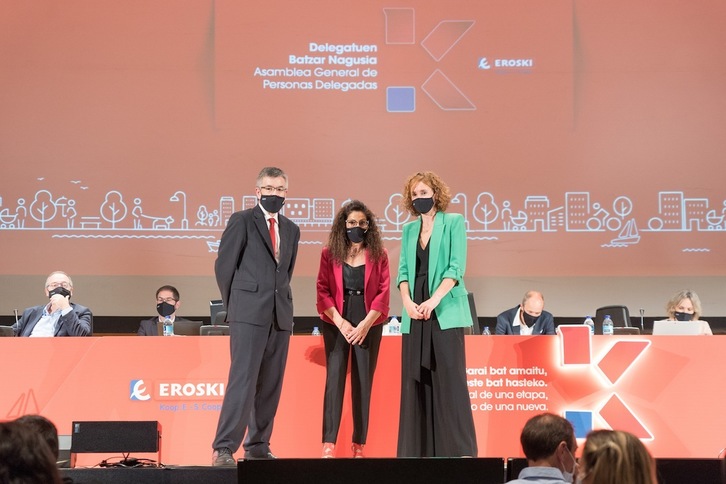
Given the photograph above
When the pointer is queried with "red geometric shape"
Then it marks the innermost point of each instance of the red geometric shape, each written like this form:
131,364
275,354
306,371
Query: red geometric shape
400,28
619,417
620,357
444,36
575,344
23,406
445,94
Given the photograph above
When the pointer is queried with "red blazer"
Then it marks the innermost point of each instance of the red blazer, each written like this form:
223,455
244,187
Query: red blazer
377,290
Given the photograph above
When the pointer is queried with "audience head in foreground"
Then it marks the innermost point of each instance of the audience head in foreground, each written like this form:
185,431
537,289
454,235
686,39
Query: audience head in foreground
615,457
45,428
549,443
25,457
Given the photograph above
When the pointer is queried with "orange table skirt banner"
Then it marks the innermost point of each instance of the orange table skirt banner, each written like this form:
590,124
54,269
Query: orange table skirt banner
665,389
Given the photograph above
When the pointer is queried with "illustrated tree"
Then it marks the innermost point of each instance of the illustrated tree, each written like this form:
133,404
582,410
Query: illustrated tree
113,208
622,206
395,213
43,209
486,210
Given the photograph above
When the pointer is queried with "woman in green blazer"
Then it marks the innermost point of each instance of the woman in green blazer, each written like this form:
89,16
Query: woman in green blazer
436,418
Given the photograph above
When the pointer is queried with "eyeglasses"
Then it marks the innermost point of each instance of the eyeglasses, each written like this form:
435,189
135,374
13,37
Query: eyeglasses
54,285
271,190
169,300
354,223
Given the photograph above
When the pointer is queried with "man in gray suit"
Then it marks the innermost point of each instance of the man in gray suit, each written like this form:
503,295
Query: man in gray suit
59,316
254,266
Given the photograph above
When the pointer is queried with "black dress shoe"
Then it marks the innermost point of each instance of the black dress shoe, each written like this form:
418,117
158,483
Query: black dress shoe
223,458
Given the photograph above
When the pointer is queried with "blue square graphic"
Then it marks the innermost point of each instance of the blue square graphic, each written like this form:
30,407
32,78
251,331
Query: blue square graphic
581,420
401,99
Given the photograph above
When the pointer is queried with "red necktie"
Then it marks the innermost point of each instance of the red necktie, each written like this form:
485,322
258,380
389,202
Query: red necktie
273,238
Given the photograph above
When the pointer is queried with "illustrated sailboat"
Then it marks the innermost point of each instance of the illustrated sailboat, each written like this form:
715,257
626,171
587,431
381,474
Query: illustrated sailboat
628,235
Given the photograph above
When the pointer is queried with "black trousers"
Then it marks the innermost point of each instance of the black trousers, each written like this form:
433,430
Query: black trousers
258,358
436,418
362,367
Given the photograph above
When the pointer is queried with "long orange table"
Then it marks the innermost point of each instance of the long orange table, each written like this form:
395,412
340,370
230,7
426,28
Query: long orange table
666,389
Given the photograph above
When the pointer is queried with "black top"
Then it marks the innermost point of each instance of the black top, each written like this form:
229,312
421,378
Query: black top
354,305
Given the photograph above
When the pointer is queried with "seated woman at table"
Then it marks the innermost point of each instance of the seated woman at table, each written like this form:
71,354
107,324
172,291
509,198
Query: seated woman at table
685,306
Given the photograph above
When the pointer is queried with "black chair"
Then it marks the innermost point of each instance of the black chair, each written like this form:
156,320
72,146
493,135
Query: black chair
215,306
6,331
619,314
515,466
219,318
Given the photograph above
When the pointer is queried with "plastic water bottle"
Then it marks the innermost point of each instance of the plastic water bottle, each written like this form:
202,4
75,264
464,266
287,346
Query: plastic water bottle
316,331
589,322
607,325
168,327
486,331
394,326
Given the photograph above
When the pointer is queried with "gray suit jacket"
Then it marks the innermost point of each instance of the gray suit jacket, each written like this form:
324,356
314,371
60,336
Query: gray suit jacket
254,287
78,322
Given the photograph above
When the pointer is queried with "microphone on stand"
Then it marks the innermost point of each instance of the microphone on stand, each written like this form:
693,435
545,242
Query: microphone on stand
16,316
642,328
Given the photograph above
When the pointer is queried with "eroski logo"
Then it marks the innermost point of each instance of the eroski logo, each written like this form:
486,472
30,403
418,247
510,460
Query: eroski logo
138,390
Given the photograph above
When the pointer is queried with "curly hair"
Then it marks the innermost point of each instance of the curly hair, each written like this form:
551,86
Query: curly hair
338,242
442,193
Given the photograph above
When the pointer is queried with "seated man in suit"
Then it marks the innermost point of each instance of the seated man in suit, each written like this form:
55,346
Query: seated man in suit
59,317
549,443
527,318
167,303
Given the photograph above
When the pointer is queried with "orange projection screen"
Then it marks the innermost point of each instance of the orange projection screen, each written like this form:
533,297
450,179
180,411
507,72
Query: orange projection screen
130,131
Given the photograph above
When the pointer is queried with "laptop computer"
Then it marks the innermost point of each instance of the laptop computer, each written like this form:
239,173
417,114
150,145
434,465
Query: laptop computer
681,328
181,328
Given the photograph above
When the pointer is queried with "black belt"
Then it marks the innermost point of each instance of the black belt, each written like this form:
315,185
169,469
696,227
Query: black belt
353,292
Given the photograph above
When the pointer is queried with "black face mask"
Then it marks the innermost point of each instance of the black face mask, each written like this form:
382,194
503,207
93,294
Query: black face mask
528,318
60,290
272,203
683,316
165,309
423,205
356,234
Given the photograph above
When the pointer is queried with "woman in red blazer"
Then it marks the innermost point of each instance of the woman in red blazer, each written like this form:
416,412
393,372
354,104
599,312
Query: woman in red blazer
353,295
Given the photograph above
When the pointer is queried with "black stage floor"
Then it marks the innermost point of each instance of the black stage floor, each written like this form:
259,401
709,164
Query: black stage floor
317,471
369,471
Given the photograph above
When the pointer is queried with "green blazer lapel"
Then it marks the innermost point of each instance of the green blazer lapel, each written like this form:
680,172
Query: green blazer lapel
413,230
434,247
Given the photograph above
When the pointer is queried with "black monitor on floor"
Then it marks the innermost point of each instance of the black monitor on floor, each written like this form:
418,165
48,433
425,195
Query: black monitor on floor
703,471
